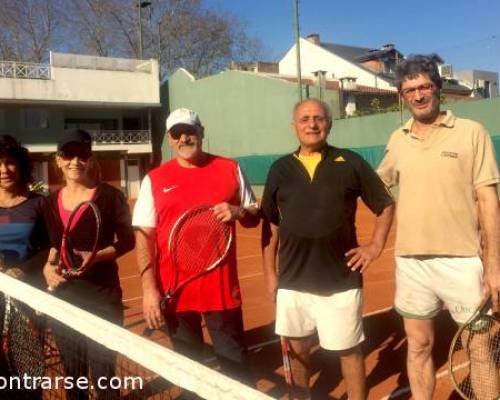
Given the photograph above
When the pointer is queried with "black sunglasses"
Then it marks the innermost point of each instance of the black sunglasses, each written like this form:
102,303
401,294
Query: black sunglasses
176,133
69,154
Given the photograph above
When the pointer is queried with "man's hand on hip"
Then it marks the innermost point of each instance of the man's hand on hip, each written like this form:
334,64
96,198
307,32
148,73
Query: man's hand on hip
361,257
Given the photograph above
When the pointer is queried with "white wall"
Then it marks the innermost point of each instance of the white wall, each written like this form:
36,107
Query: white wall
314,58
84,84
470,78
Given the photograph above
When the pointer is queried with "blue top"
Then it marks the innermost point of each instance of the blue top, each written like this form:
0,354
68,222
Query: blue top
22,231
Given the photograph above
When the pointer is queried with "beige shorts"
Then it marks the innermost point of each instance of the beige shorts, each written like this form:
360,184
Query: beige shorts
337,318
424,284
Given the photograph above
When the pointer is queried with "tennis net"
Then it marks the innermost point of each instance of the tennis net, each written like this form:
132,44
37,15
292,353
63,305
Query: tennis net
54,350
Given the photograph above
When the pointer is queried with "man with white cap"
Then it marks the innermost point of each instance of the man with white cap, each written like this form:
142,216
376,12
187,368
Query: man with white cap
193,178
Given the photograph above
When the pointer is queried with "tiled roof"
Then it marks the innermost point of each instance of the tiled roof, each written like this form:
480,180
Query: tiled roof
354,54
335,85
455,87
369,89
377,54
350,53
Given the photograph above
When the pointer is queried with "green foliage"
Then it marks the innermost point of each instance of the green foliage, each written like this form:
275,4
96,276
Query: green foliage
376,107
38,187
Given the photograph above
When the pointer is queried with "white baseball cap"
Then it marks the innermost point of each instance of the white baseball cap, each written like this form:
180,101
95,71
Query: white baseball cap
182,116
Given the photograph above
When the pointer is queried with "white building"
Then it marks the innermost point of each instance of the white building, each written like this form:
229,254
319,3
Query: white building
484,84
114,99
371,67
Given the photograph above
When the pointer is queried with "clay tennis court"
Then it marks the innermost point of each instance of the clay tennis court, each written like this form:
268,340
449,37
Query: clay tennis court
385,347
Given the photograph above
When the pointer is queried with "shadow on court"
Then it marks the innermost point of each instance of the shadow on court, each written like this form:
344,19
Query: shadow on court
384,348
387,343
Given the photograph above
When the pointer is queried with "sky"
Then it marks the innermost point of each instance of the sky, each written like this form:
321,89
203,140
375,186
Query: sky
465,33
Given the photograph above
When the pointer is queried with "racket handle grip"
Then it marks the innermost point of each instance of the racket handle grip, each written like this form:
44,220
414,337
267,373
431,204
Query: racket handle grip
163,304
148,332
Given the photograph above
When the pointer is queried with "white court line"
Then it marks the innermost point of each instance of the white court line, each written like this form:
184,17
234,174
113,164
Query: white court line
248,236
251,275
129,277
238,259
240,278
132,299
249,256
274,341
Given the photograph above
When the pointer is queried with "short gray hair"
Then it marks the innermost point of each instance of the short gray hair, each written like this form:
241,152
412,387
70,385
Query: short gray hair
326,108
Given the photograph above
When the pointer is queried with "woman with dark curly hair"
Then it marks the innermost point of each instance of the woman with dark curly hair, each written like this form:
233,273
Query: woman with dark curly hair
23,240
22,231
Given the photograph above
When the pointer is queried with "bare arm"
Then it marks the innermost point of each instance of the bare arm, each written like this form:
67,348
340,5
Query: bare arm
248,217
362,256
489,218
146,261
50,270
270,241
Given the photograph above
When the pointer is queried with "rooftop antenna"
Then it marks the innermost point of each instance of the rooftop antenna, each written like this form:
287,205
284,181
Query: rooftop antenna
297,48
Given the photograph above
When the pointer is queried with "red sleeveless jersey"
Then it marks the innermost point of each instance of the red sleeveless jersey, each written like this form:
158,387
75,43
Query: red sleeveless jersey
176,189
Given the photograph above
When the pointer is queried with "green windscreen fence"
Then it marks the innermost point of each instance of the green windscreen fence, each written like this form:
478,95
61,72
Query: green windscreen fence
257,166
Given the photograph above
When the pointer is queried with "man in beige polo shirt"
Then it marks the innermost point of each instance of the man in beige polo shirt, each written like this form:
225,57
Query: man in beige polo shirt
447,216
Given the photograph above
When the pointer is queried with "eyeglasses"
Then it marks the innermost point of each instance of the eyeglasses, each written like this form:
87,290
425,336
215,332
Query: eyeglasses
425,88
69,154
315,119
177,133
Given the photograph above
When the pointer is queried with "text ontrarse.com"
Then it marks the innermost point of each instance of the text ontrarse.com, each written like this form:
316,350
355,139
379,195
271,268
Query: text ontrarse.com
26,382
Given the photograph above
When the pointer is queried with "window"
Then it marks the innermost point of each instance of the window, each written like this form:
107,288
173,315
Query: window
35,119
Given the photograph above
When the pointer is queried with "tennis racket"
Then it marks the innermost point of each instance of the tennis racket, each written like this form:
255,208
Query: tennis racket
22,338
287,367
474,358
79,240
197,244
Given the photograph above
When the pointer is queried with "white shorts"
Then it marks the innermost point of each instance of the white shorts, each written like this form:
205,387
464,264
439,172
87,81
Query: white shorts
337,318
424,284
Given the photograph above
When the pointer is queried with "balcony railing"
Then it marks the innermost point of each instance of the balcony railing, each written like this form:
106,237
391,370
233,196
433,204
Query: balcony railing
24,70
121,137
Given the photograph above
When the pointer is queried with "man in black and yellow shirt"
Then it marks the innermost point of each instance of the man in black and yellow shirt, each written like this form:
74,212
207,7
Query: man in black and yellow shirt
309,204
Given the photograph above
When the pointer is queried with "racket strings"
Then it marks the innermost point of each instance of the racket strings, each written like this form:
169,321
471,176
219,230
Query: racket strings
81,235
199,243
475,360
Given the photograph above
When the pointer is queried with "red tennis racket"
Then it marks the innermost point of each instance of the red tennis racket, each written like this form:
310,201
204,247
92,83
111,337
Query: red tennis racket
197,244
474,358
287,366
79,240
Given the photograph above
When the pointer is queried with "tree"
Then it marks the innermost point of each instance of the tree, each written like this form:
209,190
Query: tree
29,29
179,33
201,40
104,28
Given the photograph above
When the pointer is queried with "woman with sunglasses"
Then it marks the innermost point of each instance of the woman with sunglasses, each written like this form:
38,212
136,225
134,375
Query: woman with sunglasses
23,249
98,289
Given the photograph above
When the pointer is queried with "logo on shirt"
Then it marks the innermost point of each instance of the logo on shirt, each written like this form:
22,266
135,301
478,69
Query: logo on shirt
168,189
339,159
450,154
